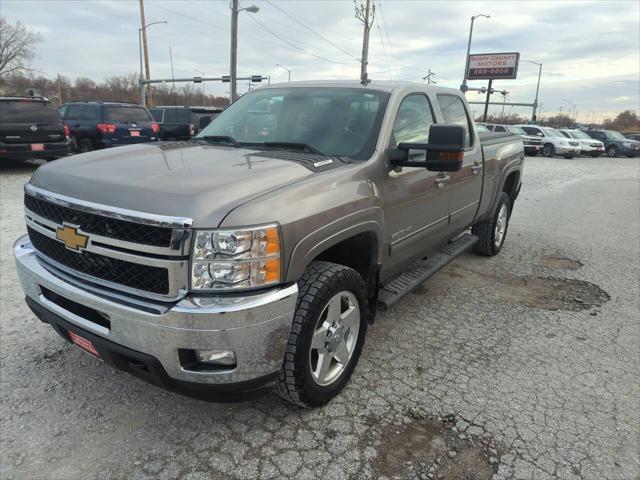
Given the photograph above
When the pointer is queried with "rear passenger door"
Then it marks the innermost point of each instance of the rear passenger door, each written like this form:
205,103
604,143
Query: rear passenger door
416,203
72,119
89,119
465,184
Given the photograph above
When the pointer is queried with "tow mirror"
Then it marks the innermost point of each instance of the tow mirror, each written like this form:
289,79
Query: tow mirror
445,150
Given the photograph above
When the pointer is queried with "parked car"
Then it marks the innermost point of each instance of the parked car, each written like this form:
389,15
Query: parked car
96,125
532,143
633,136
254,258
553,142
30,128
615,143
182,123
588,145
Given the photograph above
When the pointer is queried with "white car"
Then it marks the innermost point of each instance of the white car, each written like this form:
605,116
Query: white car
588,145
553,142
532,143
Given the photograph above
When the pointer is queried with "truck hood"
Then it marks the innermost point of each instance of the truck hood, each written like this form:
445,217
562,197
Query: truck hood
203,182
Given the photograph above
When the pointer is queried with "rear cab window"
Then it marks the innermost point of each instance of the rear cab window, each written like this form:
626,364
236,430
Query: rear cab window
27,111
532,131
454,113
126,114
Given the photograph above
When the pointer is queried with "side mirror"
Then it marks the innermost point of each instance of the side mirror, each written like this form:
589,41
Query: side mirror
204,121
445,150
539,134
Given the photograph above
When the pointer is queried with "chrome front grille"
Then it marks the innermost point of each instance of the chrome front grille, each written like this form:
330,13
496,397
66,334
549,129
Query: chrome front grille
134,252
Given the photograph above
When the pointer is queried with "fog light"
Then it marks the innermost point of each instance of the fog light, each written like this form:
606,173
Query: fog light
216,357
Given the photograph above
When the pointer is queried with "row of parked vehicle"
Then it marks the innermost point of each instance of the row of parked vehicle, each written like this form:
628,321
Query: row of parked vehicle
570,143
31,128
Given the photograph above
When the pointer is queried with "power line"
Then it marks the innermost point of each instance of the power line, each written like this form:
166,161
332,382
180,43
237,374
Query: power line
293,45
384,50
319,35
384,25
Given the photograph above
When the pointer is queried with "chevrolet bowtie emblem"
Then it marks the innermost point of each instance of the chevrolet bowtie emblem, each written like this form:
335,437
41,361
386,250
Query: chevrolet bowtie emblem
71,238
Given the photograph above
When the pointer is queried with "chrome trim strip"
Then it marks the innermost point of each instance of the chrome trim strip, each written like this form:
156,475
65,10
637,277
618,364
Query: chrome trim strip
473,204
416,232
109,211
176,238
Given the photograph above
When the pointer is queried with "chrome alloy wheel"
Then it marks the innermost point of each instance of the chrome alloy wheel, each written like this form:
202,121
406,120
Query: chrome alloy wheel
501,225
335,337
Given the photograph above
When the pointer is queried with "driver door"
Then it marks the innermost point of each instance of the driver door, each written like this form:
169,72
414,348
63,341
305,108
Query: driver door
416,201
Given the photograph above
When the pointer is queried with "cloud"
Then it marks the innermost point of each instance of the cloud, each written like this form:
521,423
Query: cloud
590,50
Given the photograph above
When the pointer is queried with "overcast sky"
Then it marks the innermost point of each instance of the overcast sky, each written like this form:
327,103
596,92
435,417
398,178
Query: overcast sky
590,50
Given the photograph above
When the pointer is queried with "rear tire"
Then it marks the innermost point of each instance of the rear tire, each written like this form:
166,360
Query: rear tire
548,150
85,145
330,322
492,232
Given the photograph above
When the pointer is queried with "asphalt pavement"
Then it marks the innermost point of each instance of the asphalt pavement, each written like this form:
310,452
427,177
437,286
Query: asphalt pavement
521,366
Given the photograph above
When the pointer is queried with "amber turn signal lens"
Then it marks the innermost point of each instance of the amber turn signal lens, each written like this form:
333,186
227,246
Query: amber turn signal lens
450,156
273,241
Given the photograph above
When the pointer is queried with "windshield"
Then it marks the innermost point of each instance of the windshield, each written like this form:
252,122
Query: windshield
614,135
516,130
579,135
550,132
334,121
28,111
127,114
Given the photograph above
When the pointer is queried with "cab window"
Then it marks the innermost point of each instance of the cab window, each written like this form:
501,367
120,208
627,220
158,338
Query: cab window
412,124
454,113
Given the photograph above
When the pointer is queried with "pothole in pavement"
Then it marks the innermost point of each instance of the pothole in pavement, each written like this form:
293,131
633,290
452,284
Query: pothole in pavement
560,263
435,449
548,293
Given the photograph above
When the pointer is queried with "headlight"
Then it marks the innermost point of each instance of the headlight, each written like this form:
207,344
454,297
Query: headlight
236,259
626,144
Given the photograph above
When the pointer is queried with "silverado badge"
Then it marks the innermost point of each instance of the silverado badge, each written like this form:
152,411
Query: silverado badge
71,238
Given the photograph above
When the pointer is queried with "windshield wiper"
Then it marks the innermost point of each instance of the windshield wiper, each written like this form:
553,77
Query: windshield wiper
220,139
294,146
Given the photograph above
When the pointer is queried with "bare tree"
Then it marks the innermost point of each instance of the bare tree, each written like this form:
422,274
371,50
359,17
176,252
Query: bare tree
17,46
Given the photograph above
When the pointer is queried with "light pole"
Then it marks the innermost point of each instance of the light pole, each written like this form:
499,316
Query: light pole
143,101
463,87
204,98
535,102
234,44
288,71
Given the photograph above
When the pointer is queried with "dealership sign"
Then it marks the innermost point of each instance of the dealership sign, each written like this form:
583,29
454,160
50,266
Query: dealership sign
488,66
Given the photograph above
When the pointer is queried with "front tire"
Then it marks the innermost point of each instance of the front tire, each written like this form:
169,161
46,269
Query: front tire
326,337
492,232
548,150
612,151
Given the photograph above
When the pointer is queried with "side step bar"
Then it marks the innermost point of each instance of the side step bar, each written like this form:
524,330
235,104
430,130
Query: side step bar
422,270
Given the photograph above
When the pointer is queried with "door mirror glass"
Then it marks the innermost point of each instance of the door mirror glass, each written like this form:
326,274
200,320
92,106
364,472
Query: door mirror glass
446,148
444,152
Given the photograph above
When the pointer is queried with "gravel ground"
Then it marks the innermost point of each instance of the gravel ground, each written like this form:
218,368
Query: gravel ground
522,366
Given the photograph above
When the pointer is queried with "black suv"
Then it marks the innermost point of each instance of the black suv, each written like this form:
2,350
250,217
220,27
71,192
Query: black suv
182,123
31,128
95,125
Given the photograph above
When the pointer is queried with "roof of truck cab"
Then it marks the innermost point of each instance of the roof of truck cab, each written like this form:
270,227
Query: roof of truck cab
384,86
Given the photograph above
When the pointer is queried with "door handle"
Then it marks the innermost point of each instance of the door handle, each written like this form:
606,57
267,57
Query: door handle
440,181
476,167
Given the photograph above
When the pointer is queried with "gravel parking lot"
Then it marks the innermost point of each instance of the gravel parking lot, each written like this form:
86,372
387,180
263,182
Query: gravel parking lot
522,366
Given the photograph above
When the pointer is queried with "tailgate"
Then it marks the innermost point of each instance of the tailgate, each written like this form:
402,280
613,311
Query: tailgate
31,132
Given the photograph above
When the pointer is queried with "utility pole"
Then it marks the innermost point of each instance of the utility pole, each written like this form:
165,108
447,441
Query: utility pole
366,14
428,78
146,51
59,90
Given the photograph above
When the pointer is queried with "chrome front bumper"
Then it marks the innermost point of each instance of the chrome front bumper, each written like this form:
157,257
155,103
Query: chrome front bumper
256,326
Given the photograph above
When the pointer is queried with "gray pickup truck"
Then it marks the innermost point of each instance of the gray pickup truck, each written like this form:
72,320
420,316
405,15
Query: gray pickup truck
254,256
